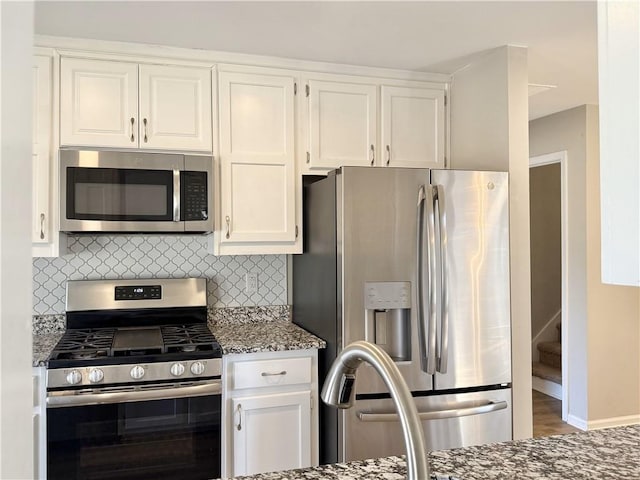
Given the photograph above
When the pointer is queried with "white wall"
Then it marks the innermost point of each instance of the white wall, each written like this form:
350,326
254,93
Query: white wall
489,118
15,246
603,320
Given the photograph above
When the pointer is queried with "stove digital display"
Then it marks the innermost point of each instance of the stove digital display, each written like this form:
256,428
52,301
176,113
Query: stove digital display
139,292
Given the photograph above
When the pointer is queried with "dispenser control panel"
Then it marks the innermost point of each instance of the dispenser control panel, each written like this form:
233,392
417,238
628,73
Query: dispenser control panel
387,295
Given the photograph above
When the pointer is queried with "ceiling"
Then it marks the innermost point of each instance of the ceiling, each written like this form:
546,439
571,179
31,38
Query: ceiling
439,37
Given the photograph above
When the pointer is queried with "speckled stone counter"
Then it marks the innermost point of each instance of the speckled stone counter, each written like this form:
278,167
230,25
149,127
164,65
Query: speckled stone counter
612,453
42,347
237,329
263,336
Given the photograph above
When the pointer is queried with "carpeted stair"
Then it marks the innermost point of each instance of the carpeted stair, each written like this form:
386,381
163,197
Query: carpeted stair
550,365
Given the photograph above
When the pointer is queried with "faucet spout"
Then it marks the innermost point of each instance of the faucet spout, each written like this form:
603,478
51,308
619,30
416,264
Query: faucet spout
339,391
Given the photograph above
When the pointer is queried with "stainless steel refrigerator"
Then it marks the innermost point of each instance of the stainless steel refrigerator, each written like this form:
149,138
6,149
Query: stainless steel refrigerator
416,261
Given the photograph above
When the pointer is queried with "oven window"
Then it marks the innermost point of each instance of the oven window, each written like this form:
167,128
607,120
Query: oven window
159,439
119,194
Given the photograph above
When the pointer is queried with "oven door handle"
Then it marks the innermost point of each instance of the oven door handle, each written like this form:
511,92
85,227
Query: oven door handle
75,398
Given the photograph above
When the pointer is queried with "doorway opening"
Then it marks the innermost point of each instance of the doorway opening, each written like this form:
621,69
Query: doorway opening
549,285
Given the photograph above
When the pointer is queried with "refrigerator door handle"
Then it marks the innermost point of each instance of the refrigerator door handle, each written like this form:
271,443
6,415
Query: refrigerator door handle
426,318
444,281
462,410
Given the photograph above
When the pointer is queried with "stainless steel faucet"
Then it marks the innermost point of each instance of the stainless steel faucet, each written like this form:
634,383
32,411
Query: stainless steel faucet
338,390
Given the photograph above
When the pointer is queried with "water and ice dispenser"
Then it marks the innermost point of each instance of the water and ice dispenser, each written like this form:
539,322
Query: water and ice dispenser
388,317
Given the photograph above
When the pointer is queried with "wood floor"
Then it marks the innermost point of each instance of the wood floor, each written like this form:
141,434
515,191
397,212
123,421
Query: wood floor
547,416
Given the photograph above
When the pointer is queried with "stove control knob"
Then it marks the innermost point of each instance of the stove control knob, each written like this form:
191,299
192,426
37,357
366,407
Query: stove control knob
137,372
96,375
177,369
74,377
197,368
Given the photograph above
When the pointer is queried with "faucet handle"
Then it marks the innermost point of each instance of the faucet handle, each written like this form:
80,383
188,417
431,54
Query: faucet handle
347,383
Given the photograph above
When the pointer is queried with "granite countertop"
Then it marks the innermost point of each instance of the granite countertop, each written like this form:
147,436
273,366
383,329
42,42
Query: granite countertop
43,345
264,336
612,453
238,330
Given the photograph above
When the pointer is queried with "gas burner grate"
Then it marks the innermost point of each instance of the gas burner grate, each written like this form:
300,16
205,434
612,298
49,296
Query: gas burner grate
85,344
188,338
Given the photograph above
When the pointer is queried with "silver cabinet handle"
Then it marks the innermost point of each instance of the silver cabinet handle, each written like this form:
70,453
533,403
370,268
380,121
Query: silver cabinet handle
42,226
388,155
133,138
228,220
461,410
239,410
444,279
267,374
144,122
373,155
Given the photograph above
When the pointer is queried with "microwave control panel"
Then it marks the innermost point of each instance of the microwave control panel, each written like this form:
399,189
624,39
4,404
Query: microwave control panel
194,196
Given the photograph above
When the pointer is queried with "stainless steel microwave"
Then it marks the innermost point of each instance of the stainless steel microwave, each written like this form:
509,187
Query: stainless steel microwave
110,191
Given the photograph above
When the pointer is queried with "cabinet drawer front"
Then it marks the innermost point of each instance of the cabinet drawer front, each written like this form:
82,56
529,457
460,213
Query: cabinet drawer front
265,373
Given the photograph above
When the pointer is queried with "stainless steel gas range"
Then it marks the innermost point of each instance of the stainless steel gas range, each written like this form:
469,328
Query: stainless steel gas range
134,386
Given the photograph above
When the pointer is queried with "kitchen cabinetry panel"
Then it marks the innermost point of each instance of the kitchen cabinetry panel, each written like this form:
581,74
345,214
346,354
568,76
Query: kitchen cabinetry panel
175,108
41,223
412,127
258,419
342,124
257,158
98,101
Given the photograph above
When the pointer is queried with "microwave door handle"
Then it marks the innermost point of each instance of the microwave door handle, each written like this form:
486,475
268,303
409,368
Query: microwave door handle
176,195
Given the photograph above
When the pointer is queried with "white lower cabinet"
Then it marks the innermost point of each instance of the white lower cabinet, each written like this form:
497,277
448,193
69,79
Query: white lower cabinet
39,424
271,432
271,423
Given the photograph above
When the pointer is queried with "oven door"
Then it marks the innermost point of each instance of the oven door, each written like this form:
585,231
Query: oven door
120,191
152,432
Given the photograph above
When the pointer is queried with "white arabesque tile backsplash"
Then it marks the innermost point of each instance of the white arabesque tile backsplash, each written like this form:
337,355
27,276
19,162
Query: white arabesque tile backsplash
160,256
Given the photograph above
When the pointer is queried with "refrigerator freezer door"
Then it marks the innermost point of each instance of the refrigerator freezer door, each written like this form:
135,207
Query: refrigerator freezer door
476,318
384,437
377,237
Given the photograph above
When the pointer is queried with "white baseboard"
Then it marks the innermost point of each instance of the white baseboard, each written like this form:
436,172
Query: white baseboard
603,423
547,387
577,422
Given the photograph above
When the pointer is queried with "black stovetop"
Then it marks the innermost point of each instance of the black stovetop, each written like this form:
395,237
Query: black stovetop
145,344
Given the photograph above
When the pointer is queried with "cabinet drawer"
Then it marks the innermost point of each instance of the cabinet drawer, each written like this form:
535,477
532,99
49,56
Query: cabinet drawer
265,373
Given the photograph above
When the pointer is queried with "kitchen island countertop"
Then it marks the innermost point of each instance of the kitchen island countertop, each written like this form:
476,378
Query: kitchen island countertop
612,453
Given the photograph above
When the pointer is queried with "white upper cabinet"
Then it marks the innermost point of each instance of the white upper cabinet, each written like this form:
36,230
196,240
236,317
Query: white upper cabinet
412,122
257,158
342,124
175,108
41,223
119,104
98,103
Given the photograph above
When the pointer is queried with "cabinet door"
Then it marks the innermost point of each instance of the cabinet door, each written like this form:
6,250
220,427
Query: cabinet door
175,108
342,124
98,103
257,181
41,154
271,432
412,127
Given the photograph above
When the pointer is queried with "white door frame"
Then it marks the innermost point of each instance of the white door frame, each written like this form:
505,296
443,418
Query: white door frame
538,161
